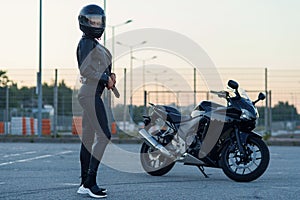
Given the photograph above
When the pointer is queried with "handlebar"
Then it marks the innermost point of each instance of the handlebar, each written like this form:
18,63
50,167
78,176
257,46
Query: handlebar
221,94
158,110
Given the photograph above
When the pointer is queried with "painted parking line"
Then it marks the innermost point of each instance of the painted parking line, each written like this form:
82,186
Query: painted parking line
70,184
19,154
35,158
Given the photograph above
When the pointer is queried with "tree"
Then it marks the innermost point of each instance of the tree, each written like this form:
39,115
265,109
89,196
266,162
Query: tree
64,99
284,112
138,114
118,113
3,78
3,84
24,99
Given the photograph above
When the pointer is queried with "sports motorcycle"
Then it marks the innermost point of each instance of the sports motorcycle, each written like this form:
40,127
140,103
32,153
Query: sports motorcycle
212,136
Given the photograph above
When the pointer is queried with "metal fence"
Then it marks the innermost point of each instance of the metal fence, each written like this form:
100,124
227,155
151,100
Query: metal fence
180,87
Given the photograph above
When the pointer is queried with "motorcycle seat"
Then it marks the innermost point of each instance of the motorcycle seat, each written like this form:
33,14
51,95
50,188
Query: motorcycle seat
208,106
176,118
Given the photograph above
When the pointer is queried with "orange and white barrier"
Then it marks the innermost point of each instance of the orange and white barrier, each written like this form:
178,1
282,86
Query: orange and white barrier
25,126
2,131
17,126
46,127
77,126
114,128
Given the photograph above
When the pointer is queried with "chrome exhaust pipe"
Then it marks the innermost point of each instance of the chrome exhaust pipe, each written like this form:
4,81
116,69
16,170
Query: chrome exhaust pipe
153,142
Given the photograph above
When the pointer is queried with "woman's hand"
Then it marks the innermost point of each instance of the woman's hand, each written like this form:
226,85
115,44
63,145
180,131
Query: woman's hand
111,81
113,77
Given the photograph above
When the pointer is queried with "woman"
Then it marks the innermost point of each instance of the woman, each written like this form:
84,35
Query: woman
94,62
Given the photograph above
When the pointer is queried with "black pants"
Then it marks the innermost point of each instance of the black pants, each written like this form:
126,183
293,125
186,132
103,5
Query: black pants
94,123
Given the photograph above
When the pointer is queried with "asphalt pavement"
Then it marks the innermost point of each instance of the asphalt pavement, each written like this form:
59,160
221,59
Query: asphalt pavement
52,170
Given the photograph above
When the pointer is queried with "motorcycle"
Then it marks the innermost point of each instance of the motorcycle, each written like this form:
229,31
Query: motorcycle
212,136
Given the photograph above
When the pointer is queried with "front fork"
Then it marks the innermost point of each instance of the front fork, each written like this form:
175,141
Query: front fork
240,142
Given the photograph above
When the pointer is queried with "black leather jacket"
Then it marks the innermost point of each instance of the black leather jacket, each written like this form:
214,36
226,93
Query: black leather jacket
85,47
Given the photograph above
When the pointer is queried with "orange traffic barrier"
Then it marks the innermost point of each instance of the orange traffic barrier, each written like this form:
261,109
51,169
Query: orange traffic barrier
114,128
1,128
32,125
23,125
77,125
46,127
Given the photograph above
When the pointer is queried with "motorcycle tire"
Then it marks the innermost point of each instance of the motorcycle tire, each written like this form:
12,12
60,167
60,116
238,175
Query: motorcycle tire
255,164
153,162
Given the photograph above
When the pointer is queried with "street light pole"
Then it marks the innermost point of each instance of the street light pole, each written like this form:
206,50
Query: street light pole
131,84
39,78
144,64
113,40
7,110
131,66
144,87
156,81
108,100
104,34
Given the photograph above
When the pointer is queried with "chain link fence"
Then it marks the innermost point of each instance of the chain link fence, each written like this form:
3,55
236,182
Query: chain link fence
179,87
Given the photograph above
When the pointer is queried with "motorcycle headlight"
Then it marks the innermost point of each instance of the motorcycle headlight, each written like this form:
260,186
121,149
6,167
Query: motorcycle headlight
257,114
247,115
151,111
159,122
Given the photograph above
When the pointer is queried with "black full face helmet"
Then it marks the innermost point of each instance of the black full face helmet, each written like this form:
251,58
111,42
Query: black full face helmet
92,21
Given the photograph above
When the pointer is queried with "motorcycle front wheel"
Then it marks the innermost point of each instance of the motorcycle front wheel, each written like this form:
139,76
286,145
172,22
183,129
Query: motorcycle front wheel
249,167
153,162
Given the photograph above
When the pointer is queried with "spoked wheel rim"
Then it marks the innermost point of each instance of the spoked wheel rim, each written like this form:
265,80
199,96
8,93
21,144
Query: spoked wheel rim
248,167
244,165
155,160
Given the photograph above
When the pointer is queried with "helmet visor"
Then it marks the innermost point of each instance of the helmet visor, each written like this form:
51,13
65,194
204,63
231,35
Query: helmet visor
96,21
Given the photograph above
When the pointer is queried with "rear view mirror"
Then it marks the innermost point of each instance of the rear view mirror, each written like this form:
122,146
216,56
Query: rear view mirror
233,84
261,96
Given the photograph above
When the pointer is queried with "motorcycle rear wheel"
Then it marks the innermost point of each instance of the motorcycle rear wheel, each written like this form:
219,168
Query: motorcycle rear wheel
153,162
249,169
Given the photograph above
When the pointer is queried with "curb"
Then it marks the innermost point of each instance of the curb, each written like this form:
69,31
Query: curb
283,142
64,139
76,139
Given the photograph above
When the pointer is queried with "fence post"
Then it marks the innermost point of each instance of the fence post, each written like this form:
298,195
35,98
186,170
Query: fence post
55,96
270,112
267,102
207,96
145,102
195,87
7,110
124,114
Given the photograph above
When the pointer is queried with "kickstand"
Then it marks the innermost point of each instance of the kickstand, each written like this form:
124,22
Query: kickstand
201,168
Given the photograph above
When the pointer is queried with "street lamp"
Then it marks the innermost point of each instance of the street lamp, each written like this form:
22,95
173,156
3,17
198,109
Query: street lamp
144,89
144,64
39,75
104,34
131,56
113,40
156,80
109,101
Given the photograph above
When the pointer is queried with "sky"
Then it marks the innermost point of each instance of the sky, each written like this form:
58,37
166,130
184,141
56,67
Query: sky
240,34
234,33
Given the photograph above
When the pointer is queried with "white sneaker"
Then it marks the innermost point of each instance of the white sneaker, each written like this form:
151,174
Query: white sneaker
82,190
98,192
